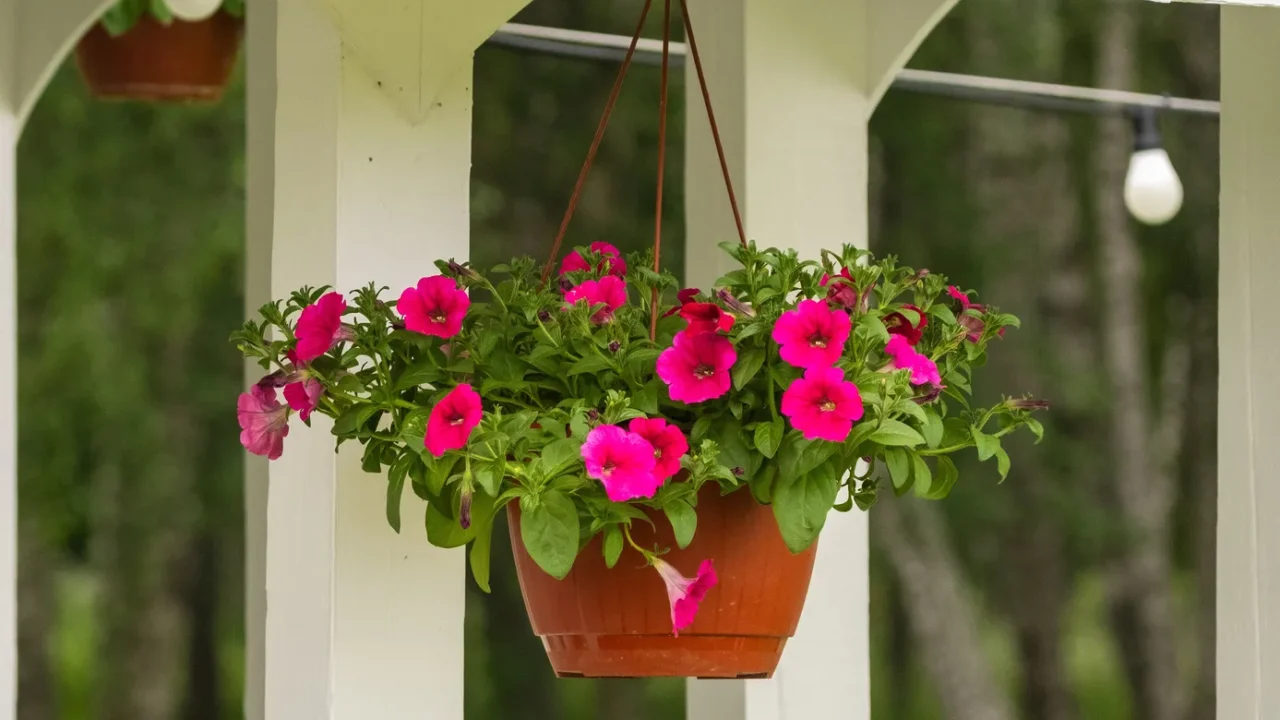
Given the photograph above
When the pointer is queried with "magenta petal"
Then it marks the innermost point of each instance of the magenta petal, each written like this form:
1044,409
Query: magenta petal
452,419
622,461
685,594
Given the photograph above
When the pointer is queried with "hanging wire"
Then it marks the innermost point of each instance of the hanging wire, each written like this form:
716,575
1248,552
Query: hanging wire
1015,93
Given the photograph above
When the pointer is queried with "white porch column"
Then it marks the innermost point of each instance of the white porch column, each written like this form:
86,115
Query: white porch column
260,132
371,183
1249,386
8,362
794,85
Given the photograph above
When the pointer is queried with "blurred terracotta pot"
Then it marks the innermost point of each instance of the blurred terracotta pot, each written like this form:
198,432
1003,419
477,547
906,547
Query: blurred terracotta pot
182,61
599,622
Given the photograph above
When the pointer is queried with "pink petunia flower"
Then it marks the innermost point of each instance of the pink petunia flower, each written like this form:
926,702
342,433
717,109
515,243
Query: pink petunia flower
436,306
622,461
898,324
974,325
685,297
823,405
320,327
812,335
685,594
304,396
840,289
706,318
452,419
611,263
669,445
696,367
264,421
608,291
923,370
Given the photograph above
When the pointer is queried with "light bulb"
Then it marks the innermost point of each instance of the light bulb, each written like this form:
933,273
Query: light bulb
1152,190
193,10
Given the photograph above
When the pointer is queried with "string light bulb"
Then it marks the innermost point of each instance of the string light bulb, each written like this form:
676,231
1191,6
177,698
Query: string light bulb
1152,190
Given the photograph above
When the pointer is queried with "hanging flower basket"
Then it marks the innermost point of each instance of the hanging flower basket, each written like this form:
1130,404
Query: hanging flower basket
175,62
667,457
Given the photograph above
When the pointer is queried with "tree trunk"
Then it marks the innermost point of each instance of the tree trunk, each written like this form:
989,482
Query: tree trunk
1017,162
1143,602
37,612
943,618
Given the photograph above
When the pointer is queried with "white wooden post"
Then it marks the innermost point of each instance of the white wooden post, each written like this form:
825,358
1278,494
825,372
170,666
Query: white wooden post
260,131
371,165
8,362
1249,386
361,622
794,85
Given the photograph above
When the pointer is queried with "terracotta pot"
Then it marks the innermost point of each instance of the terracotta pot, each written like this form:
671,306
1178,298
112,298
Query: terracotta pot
183,61
599,622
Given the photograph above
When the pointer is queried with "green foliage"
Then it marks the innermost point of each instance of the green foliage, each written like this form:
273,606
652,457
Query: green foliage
549,373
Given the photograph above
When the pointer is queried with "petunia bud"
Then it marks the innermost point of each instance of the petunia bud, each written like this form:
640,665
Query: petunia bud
1027,404
931,393
615,346
279,378
734,303
464,511
544,316
593,414
739,471
565,285
460,271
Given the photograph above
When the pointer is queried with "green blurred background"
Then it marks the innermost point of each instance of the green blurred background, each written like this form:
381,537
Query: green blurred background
1081,588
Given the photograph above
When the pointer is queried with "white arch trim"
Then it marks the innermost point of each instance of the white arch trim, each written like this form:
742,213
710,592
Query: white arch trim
900,28
46,33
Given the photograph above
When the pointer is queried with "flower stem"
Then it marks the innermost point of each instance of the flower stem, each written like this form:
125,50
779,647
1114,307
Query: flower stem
648,556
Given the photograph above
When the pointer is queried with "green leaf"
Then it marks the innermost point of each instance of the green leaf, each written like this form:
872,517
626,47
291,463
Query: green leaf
762,484
700,428
684,521
861,432
612,545
908,406
371,462
589,364
749,363
489,477
894,433
1036,429
423,373
480,552
943,479
734,451
933,428
1002,463
943,313
549,530
444,531
987,445
438,472
504,365
354,419
798,456
874,328
801,504
560,455
395,488
646,399
769,437
922,477
899,463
